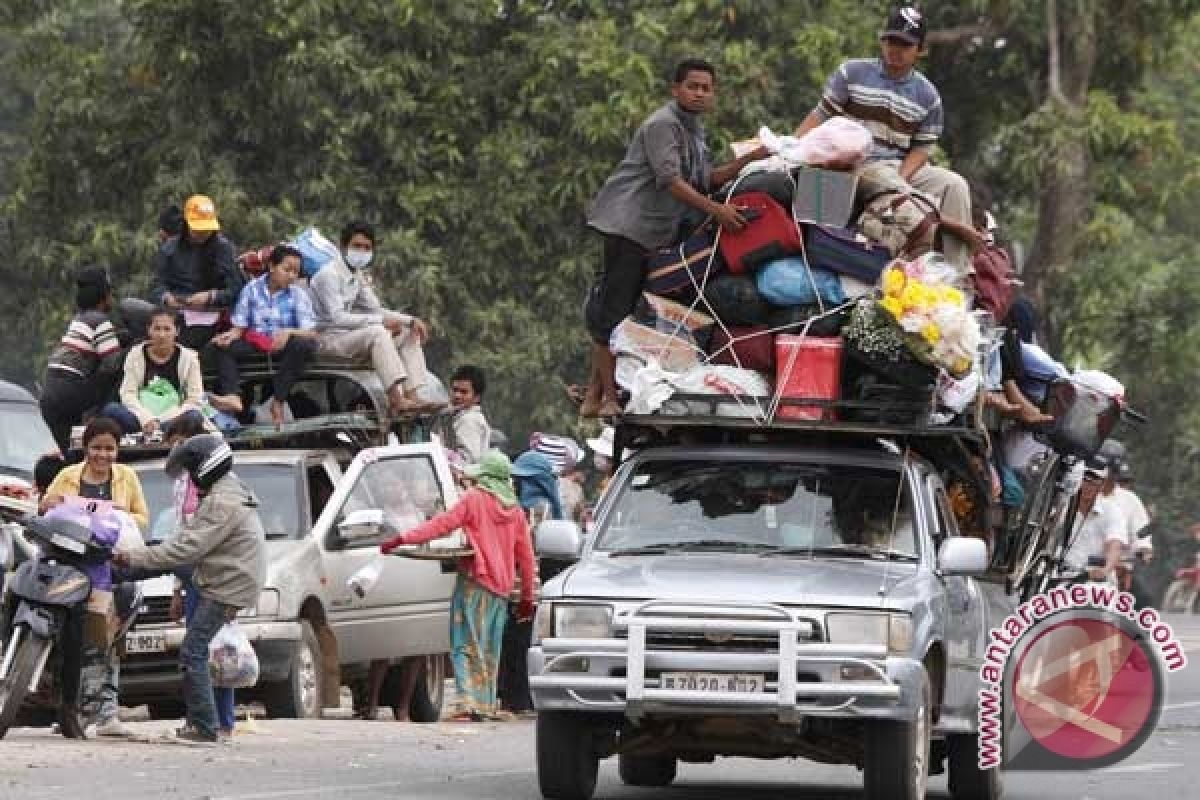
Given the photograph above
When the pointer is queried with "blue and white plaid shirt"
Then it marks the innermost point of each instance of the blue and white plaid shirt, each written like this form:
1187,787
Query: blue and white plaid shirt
258,310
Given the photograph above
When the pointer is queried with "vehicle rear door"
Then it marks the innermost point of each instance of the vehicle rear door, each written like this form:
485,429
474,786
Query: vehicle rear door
407,611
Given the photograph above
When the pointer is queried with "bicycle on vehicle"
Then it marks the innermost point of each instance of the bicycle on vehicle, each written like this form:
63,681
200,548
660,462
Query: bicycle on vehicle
1085,416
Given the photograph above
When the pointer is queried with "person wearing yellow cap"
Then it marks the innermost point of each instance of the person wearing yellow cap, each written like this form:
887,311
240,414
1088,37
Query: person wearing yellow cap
196,273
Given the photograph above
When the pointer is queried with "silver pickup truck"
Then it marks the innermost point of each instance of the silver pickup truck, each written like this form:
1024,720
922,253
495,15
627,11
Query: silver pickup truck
767,601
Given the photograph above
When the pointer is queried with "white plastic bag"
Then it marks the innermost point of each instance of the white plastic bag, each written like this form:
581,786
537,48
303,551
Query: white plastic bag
232,662
364,580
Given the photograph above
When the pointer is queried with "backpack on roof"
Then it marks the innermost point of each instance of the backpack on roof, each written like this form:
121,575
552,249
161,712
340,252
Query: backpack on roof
316,251
903,222
254,262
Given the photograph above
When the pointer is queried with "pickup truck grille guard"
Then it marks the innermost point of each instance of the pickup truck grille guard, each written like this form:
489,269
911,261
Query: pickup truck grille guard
671,618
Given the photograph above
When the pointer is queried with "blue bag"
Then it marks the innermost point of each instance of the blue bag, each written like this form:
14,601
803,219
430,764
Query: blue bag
787,282
316,250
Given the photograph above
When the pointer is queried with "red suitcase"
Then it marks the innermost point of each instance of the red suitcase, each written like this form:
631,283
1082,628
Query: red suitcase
770,234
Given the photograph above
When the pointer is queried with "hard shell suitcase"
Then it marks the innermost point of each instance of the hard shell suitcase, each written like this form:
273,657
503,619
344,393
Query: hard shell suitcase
770,234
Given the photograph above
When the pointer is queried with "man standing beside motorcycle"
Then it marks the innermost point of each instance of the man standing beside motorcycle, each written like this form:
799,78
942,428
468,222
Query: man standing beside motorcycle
224,542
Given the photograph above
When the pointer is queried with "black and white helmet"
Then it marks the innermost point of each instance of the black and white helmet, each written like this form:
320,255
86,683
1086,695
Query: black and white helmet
205,457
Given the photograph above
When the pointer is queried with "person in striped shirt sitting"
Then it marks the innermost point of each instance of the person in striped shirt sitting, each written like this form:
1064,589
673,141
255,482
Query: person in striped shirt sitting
83,371
903,111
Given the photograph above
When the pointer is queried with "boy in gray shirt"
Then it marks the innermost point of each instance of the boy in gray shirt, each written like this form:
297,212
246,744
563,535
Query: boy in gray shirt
663,179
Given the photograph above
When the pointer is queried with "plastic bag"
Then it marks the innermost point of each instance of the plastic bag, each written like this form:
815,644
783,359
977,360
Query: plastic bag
317,251
159,396
364,580
675,353
232,662
789,282
837,143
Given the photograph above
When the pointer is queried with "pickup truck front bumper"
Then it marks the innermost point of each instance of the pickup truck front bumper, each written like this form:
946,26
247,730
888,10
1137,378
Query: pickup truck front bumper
802,678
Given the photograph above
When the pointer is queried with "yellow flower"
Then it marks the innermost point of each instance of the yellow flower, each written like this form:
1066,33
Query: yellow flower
931,332
950,295
961,366
893,282
893,306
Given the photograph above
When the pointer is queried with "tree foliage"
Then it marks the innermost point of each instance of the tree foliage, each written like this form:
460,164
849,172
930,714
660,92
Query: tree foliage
473,134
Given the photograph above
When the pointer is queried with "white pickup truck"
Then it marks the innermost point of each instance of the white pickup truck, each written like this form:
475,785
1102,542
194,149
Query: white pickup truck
310,630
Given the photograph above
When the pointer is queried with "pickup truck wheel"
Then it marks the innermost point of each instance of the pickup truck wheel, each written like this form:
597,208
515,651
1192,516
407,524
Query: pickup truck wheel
646,770
967,781
430,691
566,757
299,695
897,754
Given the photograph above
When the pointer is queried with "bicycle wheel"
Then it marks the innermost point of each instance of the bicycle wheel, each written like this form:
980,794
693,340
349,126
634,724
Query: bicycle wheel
1031,530
1057,534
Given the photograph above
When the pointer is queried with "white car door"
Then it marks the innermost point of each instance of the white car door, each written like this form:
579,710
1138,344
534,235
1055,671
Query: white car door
407,611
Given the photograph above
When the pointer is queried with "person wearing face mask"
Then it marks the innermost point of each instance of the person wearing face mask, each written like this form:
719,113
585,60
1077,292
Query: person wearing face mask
352,323
196,273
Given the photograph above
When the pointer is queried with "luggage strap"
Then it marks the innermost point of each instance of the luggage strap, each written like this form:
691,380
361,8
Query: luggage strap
931,219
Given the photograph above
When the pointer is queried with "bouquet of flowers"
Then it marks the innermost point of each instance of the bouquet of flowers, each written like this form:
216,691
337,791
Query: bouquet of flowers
939,328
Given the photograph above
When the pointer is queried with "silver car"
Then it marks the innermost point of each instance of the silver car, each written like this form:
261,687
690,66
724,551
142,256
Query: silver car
766,602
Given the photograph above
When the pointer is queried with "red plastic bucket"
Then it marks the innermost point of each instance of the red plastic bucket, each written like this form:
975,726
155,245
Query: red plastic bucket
807,368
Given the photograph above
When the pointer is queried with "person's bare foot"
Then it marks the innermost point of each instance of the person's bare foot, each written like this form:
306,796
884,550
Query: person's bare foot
610,408
277,416
998,401
229,403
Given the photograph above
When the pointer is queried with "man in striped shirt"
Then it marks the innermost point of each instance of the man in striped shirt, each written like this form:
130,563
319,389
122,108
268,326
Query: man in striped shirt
83,371
903,111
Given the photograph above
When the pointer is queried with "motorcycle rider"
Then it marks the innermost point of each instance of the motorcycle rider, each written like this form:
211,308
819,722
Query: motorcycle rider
225,541
1099,528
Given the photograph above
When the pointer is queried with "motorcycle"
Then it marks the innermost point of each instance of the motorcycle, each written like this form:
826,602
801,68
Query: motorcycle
41,596
1183,595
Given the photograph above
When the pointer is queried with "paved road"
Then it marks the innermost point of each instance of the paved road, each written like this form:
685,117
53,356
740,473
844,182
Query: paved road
355,760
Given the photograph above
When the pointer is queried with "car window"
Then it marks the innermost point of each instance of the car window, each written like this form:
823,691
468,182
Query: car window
274,484
405,489
24,438
761,504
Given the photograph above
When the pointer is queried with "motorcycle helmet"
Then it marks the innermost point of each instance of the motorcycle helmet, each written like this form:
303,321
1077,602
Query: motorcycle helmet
205,457
1112,452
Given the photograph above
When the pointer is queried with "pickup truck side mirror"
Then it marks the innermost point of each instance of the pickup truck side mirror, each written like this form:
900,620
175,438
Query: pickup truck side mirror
558,539
963,555
358,525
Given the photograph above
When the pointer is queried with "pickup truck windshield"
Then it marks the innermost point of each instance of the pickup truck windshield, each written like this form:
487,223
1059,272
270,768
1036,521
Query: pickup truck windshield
24,438
275,484
761,507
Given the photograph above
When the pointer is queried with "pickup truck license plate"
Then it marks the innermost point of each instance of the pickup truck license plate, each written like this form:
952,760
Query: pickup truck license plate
145,642
714,682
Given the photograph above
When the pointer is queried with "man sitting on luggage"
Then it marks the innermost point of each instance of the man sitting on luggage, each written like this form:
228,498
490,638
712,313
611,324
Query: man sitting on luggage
354,324
903,111
273,316
658,188
197,273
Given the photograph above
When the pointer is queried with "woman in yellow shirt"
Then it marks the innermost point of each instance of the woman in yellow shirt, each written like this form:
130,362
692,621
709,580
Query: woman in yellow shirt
99,477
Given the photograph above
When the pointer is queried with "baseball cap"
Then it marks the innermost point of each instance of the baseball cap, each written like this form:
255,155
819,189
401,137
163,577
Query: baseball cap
201,214
905,23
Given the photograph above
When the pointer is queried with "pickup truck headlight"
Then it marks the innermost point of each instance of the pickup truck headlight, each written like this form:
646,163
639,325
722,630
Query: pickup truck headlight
267,605
891,629
572,621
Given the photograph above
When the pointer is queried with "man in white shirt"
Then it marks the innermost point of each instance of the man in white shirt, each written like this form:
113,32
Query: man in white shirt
1099,529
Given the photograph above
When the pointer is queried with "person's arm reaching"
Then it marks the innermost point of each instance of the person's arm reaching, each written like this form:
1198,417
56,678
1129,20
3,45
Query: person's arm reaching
664,153
435,528
813,119
728,171
195,539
